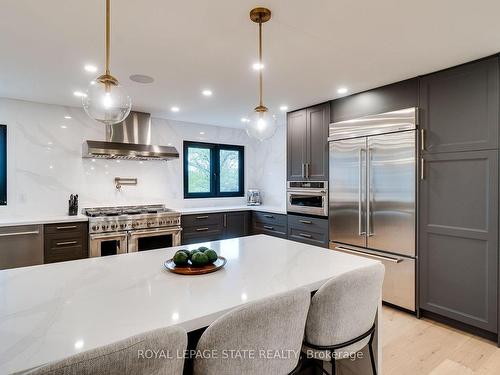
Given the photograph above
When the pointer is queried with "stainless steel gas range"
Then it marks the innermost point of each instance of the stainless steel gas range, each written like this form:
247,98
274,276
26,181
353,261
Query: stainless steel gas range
119,230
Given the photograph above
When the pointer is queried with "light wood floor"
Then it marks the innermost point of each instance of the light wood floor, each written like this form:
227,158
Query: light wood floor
423,347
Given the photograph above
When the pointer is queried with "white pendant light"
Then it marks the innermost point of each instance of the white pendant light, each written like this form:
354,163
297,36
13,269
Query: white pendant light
106,101
261,124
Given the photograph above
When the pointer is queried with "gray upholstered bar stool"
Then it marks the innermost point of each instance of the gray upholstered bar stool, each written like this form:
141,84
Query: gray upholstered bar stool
272,324
130,356
341,319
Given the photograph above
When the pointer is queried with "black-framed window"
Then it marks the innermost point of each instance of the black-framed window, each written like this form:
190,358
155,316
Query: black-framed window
213,170
3,165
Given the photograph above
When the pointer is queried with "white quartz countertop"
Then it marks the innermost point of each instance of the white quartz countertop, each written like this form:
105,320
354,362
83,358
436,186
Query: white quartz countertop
206,210
47,219
52,311
39,219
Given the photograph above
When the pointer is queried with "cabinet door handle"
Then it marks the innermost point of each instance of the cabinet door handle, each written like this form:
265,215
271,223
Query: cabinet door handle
305,235
225,220
201,217
66,227
307,170
268,227
305,221
201,229
269,216
66,243
303,170
19,233
422,139
422,169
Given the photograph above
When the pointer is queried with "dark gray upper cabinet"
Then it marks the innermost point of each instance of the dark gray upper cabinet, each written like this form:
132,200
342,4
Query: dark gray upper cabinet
318,121
296,144
387,98
459,237
459,107
307,143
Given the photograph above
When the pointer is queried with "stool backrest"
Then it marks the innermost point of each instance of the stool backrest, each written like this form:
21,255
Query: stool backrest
345,307
130,356
261,337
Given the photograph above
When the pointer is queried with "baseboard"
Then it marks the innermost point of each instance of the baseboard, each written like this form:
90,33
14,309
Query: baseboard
459,325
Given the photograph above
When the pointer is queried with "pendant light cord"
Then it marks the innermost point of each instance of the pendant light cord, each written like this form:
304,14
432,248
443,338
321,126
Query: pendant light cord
108,11
261,66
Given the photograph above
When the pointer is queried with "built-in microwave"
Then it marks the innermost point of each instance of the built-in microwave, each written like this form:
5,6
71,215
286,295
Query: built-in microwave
307,197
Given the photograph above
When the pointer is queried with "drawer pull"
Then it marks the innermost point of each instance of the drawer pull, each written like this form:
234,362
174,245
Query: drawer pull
268,227
66,243
19,233
305,235
201,217
66,227
201,229
306,221
269,216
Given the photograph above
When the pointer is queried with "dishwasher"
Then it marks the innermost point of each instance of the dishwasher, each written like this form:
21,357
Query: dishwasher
21,246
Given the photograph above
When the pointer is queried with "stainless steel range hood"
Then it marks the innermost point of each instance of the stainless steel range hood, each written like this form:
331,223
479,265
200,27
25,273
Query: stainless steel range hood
130,139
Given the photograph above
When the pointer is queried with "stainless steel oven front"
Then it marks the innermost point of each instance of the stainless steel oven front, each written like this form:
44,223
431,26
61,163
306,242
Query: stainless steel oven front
307,197
102,244
155,238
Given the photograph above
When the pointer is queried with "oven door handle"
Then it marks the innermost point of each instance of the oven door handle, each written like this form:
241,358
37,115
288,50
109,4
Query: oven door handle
308,192
149,232
108,235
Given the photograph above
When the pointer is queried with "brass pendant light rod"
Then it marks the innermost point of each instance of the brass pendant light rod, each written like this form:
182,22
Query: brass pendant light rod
108,16
260,66
260,16
107,79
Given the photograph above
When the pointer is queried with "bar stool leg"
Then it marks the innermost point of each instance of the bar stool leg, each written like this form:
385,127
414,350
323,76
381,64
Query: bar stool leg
372,357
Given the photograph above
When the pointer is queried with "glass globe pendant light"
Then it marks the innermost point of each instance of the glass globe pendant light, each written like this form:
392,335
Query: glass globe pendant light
106,101
261,124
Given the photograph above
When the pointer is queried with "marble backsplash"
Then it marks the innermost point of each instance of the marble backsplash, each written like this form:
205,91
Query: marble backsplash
45,164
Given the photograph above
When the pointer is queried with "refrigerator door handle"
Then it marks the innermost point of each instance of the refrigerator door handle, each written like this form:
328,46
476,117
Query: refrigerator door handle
360,194
368,192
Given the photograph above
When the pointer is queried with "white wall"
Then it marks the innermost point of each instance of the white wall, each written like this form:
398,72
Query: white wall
45,164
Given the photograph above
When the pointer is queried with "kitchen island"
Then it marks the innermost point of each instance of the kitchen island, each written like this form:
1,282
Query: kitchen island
53,311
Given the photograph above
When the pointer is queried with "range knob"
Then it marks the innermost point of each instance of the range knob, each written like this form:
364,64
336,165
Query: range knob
95,227
122,226
113,226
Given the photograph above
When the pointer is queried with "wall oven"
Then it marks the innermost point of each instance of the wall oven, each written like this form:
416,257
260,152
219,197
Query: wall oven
307,197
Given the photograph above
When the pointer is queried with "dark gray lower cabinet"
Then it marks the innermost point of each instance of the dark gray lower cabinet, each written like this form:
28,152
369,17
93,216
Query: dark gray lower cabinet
65,241
313,231
214,226
459,237
269,223
236,224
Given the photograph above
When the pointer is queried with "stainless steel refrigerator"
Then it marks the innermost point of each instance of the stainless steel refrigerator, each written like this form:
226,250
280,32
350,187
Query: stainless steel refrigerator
372,199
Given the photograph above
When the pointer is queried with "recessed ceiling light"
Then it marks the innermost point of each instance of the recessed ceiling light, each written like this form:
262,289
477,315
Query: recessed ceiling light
342,90
63,126
284,108
207,92
90,68
68,117
257,66
175,109
141,78
244,119
202,133
79,94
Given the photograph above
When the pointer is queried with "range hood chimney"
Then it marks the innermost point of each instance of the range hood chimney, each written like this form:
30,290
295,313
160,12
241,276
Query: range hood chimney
130,139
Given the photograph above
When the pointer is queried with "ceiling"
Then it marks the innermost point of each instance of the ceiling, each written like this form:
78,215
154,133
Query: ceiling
311,48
